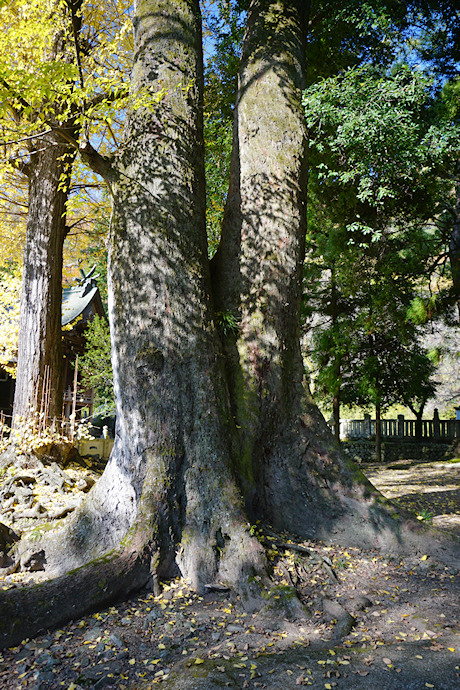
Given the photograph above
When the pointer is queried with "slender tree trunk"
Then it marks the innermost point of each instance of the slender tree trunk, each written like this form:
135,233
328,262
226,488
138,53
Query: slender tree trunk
336,415
378,433
41,296
287,458
337,356
418,419
454,248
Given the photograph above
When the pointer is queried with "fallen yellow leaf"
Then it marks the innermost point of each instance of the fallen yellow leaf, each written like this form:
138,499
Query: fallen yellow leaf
199,661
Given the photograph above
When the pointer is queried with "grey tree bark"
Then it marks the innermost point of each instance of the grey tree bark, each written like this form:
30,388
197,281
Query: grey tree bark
172,439
293,471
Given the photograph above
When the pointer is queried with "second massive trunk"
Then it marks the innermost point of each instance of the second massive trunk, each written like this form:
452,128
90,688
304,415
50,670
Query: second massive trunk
291,467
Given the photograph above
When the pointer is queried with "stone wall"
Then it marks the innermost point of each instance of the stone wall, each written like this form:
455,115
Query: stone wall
363,450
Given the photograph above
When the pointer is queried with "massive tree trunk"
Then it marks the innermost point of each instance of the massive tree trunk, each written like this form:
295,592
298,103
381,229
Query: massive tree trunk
40,316
173,421
288,462
168,487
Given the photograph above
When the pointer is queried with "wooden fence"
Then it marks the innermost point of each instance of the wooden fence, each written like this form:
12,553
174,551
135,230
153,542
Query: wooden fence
442,429
99,447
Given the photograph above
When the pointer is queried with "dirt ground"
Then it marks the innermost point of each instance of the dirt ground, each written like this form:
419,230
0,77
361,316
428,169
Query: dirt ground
429,489
367,619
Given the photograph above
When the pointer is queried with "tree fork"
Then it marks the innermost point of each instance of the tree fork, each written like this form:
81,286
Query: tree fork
168,498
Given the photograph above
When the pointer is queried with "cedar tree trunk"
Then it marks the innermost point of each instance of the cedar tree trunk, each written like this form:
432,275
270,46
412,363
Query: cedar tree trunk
173,419
41,295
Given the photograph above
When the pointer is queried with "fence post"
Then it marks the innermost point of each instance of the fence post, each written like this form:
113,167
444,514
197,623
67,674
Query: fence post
436,425
400,425
367,425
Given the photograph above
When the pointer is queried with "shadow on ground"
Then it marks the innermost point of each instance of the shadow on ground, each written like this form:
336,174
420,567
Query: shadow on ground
431,490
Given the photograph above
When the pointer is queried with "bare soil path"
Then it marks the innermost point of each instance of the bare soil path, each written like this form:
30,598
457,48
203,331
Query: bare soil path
429,489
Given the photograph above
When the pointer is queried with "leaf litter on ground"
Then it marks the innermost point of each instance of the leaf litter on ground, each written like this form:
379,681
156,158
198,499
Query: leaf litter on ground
405,612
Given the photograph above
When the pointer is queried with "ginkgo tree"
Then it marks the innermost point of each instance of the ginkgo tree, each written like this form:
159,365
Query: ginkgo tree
62,66
10,286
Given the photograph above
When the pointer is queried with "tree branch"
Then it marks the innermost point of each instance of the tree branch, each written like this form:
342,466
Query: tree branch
74,7
17,112
98,163
105,96
31,136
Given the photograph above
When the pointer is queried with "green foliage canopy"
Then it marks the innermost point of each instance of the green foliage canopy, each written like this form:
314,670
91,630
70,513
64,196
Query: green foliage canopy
95,365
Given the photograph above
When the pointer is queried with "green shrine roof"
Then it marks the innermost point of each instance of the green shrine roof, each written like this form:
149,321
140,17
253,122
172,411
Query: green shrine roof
77,298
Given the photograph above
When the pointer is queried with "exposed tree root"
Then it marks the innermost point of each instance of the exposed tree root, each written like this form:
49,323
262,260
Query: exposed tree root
127,542
238,564
27,610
